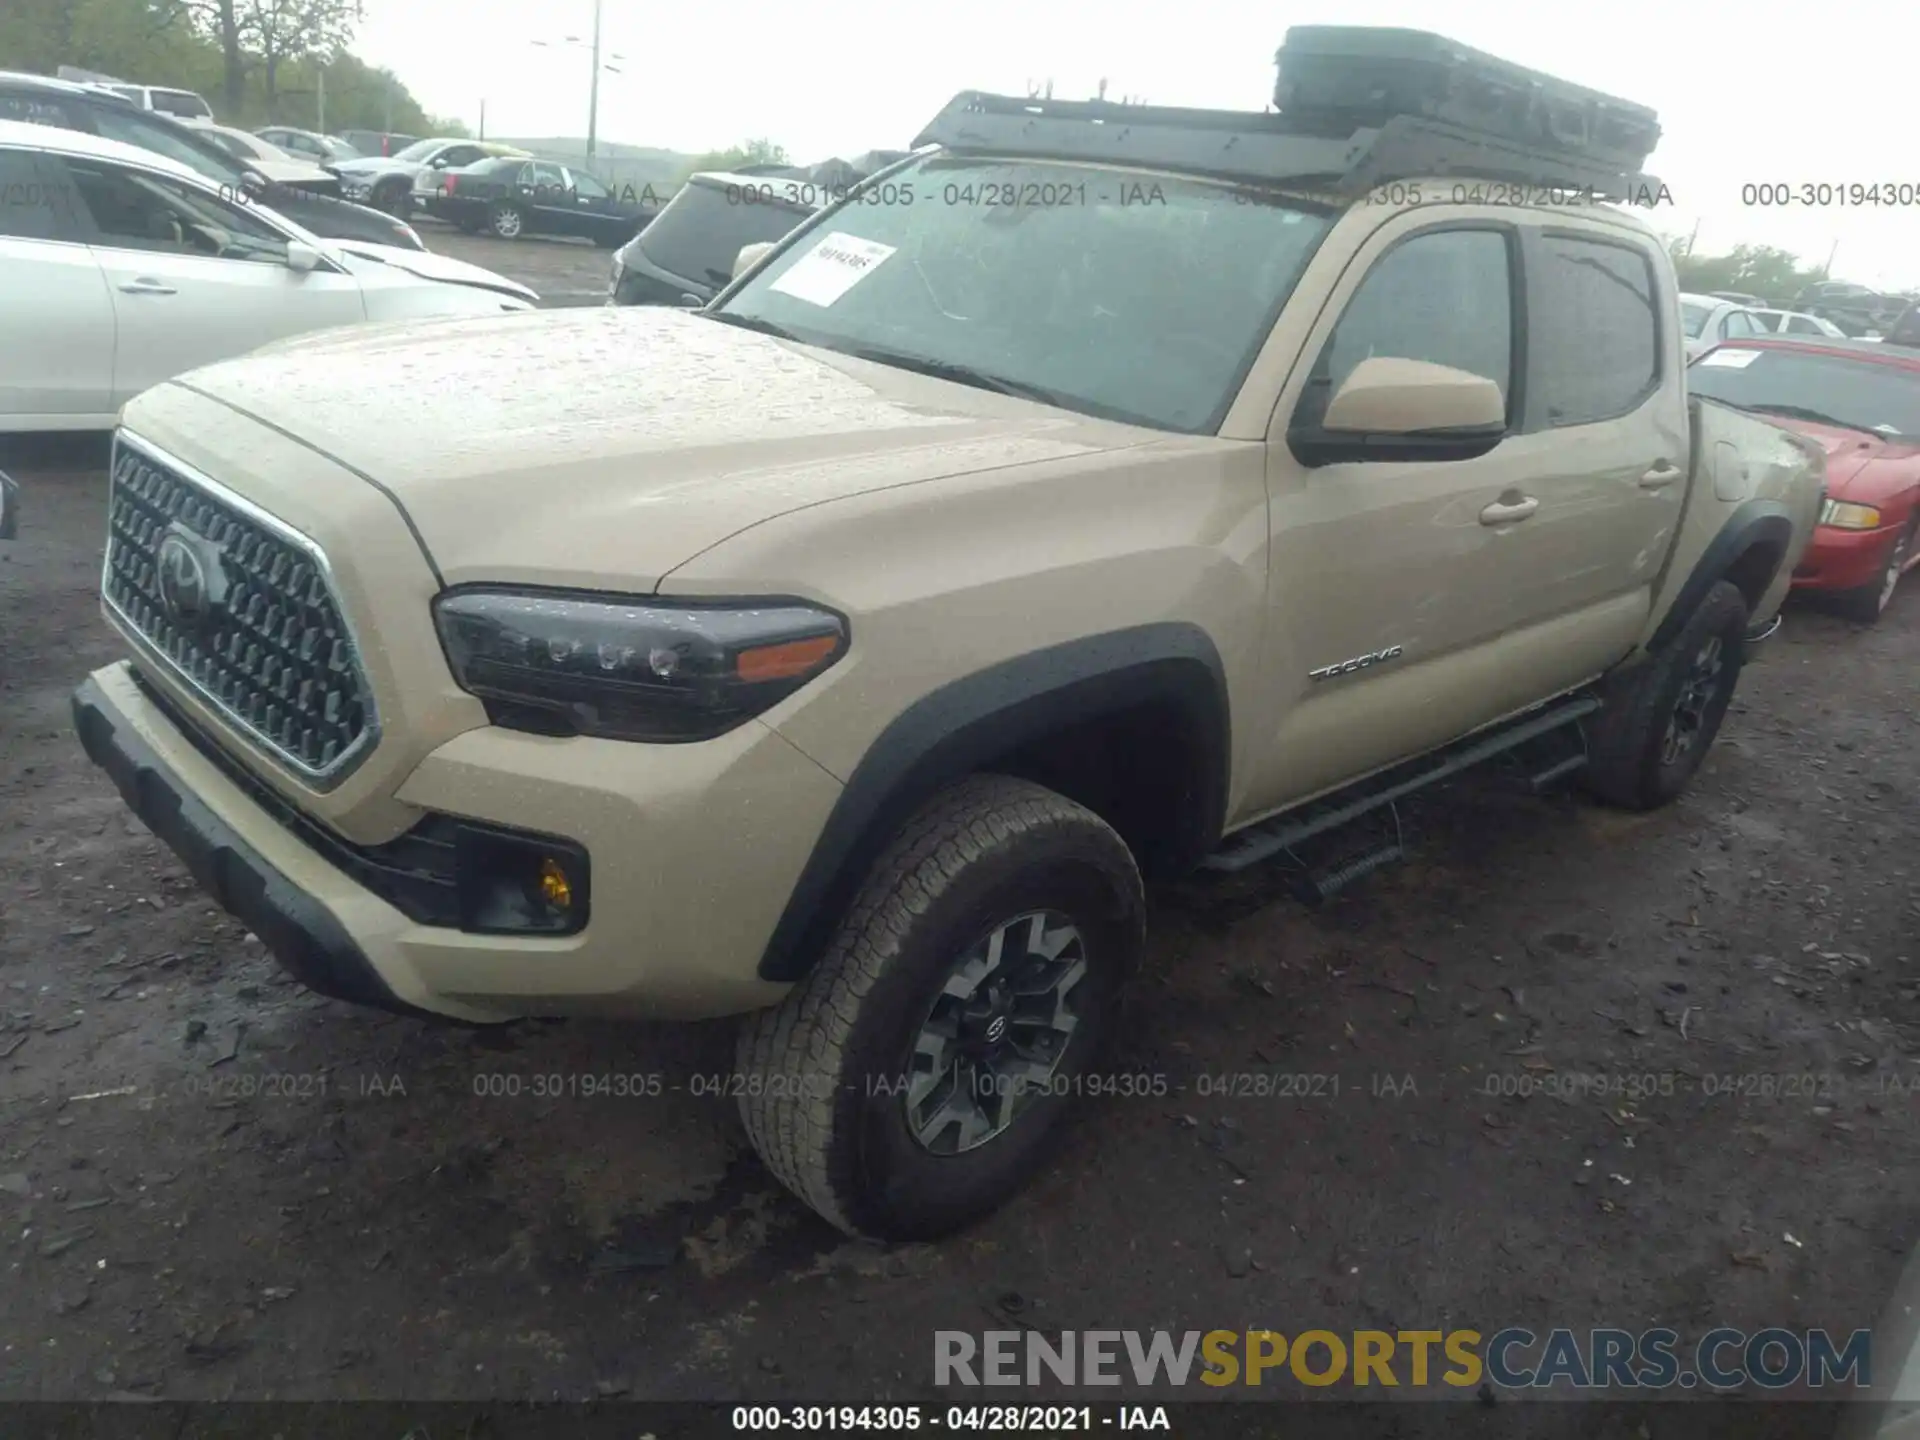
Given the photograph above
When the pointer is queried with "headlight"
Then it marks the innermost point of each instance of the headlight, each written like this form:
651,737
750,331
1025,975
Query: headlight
1843,515
631,669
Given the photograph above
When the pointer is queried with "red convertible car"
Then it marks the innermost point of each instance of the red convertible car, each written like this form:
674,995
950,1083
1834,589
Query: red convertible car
1860,401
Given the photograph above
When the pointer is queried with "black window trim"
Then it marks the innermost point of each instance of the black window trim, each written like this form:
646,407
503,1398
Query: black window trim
1534,238
1517,291
101,240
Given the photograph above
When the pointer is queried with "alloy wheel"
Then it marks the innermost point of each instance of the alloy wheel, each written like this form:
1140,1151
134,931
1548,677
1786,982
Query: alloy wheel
993,1039
1697,693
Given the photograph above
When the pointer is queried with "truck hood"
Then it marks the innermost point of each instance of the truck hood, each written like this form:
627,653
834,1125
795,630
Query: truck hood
1861,467
605,447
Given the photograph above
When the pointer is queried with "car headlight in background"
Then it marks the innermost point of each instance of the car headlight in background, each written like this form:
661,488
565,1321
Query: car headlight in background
1844,515
560,663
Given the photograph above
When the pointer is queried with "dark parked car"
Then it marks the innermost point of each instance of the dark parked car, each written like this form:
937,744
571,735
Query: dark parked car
512,197
40,101
9,507
309,144
1856,309
686,256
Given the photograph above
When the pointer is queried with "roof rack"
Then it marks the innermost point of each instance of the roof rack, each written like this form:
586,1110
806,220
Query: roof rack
1262,147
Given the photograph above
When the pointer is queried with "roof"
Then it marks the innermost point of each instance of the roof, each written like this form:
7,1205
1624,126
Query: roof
1900,356
1260,146
74,142
1710,301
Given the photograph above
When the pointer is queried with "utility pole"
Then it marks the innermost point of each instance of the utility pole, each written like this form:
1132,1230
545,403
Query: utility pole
593,87
483,117
1826,273
320,105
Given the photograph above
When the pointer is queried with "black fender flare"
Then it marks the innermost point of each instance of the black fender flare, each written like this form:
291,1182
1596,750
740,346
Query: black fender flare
965,725
1765,523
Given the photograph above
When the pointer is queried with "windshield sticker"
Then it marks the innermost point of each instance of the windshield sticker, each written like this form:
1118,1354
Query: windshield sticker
1730,359
831,268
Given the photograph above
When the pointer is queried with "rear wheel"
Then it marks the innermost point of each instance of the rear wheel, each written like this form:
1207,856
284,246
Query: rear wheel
505,220
1868,603
1660,721
916,1077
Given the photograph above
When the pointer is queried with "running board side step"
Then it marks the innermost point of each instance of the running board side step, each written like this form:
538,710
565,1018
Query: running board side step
1281,833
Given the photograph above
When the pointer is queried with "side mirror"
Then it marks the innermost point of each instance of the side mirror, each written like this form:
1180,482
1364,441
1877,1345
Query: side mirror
690,301
750,256
9,506
302,257
1392,409
254,183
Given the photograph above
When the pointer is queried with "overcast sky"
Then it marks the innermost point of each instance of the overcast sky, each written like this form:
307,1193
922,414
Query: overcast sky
1747,93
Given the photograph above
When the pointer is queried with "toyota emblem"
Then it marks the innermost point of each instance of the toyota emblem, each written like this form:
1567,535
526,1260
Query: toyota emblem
189,575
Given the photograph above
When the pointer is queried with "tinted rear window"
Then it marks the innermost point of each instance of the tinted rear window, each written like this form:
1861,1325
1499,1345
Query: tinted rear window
180,102
702,228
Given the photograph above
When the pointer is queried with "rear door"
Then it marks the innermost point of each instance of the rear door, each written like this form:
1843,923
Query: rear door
549,200
1606,404
52,290
195,279
596,214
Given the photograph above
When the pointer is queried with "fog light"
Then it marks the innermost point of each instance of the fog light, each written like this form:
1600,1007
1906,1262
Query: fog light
555,888
516,883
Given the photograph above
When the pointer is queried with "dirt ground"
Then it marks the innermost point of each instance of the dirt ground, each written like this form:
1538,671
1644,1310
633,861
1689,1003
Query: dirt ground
216,1185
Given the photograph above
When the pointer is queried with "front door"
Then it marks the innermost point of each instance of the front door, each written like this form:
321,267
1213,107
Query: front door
194,278
1412,602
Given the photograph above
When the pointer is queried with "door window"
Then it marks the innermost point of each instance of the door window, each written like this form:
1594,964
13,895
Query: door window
1595,338
36,200
134,210
1443,296
586,186
549,181
456,155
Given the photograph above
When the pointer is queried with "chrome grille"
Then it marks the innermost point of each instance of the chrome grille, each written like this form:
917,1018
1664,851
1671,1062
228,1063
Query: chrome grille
241,607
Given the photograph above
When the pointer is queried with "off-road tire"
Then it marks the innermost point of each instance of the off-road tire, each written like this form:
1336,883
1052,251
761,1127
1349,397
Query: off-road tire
1869,602
981,852
1627,765
505,221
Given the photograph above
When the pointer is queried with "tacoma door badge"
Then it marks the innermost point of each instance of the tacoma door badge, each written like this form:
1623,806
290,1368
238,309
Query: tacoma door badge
1358,662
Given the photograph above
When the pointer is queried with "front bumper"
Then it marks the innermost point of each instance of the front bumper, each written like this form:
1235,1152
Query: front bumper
694,849
1844,559
303,934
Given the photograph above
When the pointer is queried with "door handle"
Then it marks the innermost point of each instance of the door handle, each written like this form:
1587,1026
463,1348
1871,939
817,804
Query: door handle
1660,476
144,286
1505,512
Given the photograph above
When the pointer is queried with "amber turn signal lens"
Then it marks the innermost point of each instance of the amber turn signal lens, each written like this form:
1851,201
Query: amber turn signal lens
555,888
784,662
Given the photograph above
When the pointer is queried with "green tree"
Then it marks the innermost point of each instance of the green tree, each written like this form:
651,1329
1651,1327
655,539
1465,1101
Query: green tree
1773,274
748,152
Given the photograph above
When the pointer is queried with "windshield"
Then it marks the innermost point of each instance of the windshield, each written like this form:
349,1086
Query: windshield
1693,318
419,150
132,127
1860,394
700,231
1119,293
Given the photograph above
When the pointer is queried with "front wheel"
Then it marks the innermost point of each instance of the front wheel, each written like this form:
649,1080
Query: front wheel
1868,603
916,1077
505,220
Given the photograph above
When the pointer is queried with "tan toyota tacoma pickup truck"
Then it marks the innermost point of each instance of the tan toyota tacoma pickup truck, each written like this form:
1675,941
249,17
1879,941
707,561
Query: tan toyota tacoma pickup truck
1098,493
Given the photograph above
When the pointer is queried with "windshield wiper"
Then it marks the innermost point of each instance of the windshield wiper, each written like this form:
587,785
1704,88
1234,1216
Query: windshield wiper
959,374
1819,417
754,322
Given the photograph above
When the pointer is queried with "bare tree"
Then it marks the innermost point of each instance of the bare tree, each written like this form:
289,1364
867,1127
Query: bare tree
220,21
